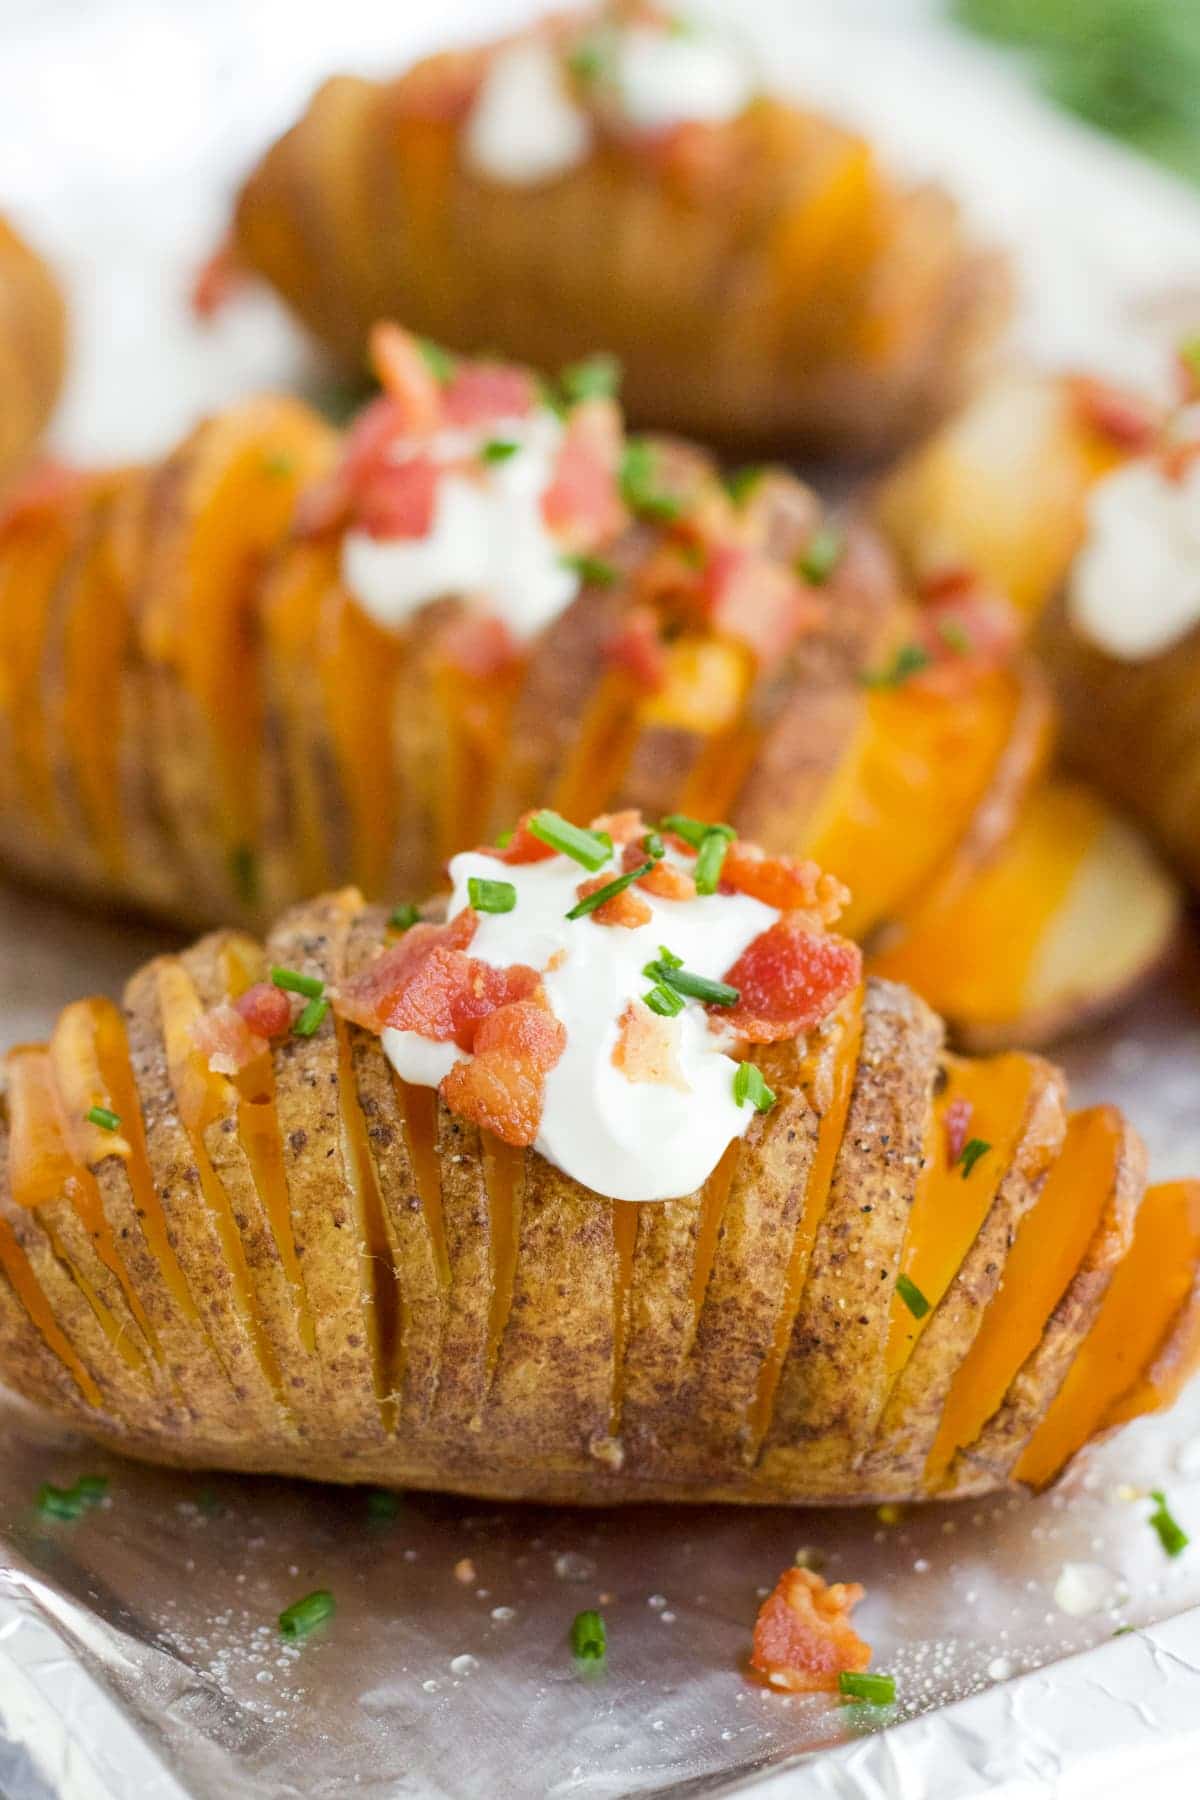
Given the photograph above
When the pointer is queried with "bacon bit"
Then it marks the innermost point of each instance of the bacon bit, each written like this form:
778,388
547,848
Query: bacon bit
1128,420
646,1049
449,995
501,1088
953,581
783,882
966,629
956,1123
482,391
406,378
522,847
758,602
365,999
637,648
623,828
583,502
789,978
479,647
1178,460
666,881
398,499
328,505
225,1040
216,282
803,1638
41,489
266,1009
625,909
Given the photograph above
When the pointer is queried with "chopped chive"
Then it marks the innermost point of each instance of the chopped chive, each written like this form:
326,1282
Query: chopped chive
1189,355
505,839
595,378
748,1084
589,1640
439,362
243,870
498,450
1123,1630
296,983
311,1019
586,61
72,1502
972,1150
404,916
908,661
880,1690
609,891
101,1116
695,987
821,557
491,896
741,483
594,570
693,831
638,486
279,462
912,1296
303,1616
955,636
383,1504
1171,1535
710,857
653,845
668,957
591,849
664,1001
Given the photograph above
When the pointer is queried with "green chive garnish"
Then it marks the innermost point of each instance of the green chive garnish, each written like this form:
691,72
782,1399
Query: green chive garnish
303,1616
664,956
912,1296
296,983
820,559
279,462
243,870
311,1019
709,858
693,831
597,377
439,362
1171,1535
696,987
591,849
498,450
491,896
592,569
880,1690
908,661
404,916
741,483
100,1115
586,61
748,1084
505,839
383,1504
955,636
972,1150
663,1001
609,891
1189,355
653,845
589,1640
638,485
72,1502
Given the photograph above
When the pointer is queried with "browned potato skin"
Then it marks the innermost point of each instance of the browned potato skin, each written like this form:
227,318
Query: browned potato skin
497,1378
739,315
33,348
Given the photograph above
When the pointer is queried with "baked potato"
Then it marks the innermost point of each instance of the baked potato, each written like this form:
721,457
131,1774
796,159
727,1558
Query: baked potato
1078,501
232,1234
212,702
610,180
33,331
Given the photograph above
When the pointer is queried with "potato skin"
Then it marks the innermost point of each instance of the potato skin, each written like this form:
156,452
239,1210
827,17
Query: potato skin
469,1318
33,348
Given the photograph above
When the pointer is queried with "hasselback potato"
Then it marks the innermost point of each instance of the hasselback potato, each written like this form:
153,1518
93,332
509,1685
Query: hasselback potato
608,180
263,667
239,1239
33,330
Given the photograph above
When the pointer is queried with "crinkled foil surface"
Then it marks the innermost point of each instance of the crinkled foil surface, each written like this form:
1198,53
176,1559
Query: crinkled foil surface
139,1654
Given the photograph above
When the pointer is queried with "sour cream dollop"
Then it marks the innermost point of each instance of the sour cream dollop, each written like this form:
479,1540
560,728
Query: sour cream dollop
487,540
1135,586
524,127
627,1140
667,78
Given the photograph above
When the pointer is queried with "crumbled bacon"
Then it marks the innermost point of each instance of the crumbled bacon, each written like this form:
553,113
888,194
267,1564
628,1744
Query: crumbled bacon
803,1638
622,827
646,1049
406,378
501,1088
216,281
367,997
449,994
483,391
266,1009
783,882
1128,420
956,1123
625,909
329,505
226,1041
479,646
666,880
1177,460
398,499
758,602
789,979
522,847
965,629
583,502
637,647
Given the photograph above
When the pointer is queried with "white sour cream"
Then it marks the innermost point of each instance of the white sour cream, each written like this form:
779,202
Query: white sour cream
488,540
524,127
627,1140
667,78
1135,586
